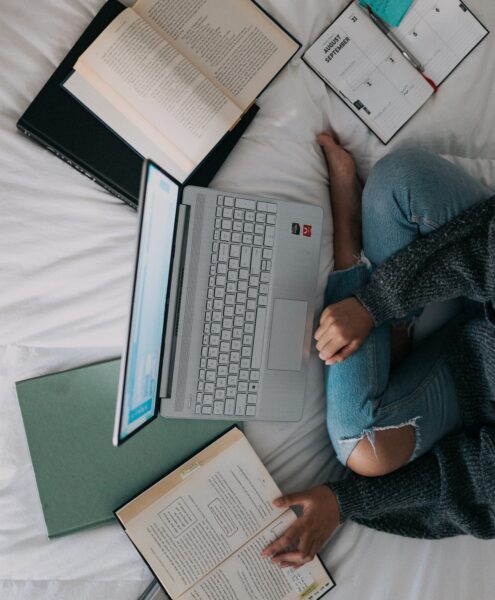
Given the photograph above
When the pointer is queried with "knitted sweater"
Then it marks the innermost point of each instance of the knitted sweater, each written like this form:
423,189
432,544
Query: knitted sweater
451,489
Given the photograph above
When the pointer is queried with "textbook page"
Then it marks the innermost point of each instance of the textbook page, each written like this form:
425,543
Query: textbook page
233,42
247,576
158,82
368,72
439,34
129,125
194,524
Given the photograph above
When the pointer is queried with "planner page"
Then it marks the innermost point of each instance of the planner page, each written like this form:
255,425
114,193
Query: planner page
358,61
440,34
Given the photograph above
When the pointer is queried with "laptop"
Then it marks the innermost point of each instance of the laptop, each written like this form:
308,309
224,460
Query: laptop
222,306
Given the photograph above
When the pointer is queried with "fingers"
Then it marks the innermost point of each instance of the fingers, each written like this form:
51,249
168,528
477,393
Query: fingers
289,538
343,353
290,500
291,559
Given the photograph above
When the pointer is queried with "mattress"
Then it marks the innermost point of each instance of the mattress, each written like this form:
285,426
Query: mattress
66,255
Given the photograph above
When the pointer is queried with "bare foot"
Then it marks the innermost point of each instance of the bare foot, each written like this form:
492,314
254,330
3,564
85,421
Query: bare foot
345,192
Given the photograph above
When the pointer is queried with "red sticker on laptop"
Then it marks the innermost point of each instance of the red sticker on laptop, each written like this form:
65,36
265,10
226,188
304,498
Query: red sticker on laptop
307,230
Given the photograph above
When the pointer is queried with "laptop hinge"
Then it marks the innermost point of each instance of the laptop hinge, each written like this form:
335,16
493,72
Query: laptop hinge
172,323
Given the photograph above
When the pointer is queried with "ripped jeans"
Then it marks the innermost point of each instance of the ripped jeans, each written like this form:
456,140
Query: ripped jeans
409,193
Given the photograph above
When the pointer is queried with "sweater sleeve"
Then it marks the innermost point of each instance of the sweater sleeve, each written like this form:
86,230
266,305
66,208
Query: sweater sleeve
456,260
455,494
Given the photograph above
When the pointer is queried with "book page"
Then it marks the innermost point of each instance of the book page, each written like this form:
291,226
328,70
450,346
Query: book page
233,42
368,72
439,34
194,524
247,576
158,82
129,125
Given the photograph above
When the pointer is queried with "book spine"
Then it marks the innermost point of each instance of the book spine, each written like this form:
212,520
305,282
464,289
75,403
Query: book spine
76,166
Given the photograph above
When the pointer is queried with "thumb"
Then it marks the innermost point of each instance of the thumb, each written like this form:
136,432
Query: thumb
290,500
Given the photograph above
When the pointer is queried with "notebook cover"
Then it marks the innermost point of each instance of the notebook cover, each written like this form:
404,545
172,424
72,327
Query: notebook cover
81,476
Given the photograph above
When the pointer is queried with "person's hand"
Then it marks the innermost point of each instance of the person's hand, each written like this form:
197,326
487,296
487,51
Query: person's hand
305,537
343,328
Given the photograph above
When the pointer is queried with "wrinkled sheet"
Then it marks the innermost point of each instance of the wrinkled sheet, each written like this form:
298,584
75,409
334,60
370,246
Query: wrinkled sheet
66,255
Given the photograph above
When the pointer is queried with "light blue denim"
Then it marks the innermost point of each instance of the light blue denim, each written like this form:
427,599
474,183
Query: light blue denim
409,193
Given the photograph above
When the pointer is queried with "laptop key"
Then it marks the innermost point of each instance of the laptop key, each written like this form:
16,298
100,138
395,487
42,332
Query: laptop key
250,411
271,219
258,337
229,406
206,410
223,252
228,201
228,212
197,410
237,237
218,408
246,204
254,376
252,398
256,261
207,399
240,405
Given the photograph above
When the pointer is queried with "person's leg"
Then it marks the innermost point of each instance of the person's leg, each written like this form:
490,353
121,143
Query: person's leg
410,193
367,434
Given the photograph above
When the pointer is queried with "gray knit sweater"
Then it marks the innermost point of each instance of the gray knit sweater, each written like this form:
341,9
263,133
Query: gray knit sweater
451,489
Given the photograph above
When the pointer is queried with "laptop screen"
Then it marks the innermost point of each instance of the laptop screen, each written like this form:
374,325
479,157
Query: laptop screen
141,365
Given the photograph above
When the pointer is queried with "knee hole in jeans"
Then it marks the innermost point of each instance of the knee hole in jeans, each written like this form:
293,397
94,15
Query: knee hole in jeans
389,449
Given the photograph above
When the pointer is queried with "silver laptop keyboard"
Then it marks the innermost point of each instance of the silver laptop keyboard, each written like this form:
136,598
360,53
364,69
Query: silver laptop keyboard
236,307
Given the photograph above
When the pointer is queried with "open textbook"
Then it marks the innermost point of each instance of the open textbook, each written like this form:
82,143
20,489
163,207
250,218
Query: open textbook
172,78
368,63
201,529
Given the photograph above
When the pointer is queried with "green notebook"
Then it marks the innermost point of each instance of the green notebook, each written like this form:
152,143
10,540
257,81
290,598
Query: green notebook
81,477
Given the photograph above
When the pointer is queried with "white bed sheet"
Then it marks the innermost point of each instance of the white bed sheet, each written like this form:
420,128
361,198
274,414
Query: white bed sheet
66,250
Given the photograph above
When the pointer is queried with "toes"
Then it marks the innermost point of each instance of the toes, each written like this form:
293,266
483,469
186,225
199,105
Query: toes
327,141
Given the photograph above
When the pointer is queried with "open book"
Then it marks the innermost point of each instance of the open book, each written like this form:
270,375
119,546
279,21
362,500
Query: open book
201,529
172,78
385,74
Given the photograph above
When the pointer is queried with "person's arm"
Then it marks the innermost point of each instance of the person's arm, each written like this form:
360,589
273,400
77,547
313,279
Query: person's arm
448,491
456,260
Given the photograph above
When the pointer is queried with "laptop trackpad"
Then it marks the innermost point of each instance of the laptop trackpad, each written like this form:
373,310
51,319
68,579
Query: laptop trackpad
287,335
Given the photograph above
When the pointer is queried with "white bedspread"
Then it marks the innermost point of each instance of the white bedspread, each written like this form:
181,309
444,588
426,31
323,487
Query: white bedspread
66,249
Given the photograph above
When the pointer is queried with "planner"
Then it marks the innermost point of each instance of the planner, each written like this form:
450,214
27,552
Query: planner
386,74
